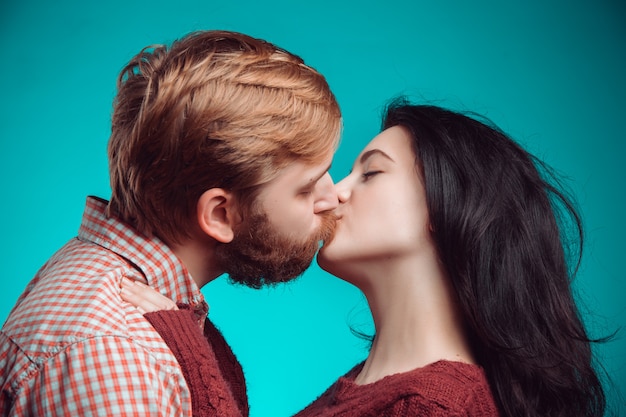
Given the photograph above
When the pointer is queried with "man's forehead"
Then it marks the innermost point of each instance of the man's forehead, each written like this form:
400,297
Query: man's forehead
300,173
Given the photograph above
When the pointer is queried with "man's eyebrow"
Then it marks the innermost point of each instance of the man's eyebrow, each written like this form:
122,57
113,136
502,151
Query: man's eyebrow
371,153
318,177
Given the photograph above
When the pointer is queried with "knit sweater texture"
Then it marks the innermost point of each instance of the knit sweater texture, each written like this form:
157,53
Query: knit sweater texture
211,370
442,388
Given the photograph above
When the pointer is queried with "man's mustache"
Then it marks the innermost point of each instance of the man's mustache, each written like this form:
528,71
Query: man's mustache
328,226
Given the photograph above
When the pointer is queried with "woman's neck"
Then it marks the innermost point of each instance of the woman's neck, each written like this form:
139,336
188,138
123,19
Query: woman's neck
416,318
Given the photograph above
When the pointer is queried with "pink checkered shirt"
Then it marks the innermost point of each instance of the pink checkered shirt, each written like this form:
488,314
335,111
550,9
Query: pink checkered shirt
72,347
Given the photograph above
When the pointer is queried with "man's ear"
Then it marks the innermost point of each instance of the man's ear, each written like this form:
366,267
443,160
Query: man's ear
217,214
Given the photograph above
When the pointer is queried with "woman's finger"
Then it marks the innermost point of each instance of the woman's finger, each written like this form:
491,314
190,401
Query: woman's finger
144,297
142,304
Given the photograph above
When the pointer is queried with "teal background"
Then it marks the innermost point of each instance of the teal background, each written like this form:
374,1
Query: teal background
552,74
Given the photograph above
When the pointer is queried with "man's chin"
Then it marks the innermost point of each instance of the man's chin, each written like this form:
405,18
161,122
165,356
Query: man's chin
265,258
264,280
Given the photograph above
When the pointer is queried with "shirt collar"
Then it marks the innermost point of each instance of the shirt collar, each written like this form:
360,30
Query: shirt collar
156,261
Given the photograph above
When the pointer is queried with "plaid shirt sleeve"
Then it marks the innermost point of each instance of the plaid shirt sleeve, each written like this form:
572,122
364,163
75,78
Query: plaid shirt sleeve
100,376
72,347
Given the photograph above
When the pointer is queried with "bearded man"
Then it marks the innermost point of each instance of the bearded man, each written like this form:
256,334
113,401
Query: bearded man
219,157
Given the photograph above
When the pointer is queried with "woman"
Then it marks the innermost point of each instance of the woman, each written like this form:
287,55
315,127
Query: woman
454,234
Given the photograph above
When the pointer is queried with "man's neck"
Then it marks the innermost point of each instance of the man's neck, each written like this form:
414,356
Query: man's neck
199,259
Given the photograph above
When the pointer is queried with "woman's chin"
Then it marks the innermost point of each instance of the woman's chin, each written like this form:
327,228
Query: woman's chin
324,257
332,259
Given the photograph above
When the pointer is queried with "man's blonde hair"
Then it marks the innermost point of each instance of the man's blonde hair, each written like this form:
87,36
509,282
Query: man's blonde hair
216,109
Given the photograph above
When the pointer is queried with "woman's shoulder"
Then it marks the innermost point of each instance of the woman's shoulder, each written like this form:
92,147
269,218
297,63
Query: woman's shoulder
451,385
457,387
441,388
448,376
451,372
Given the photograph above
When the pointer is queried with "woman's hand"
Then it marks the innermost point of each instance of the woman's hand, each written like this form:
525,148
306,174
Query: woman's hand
145,298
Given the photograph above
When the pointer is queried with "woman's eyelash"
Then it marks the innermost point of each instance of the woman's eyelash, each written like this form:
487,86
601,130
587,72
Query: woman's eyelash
369,174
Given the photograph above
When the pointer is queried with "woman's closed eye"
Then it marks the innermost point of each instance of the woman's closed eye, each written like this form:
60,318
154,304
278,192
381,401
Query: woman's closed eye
369,174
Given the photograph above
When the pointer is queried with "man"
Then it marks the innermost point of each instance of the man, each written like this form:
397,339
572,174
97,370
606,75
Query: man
219,158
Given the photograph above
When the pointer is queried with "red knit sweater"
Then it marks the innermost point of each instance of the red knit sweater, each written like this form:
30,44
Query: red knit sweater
440,389
213,374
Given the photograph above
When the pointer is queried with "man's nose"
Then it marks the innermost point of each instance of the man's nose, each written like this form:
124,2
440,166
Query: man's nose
343,190
326,195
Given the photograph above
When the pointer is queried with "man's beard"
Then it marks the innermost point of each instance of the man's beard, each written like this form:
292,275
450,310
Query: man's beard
259,256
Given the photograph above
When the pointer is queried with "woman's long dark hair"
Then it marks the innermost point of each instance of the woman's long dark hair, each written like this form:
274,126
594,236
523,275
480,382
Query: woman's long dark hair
499,222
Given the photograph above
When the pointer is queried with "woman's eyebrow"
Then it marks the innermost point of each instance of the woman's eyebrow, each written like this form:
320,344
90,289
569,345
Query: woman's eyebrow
372,152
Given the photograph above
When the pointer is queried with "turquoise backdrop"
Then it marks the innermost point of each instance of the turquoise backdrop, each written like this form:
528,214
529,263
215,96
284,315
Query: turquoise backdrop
551,73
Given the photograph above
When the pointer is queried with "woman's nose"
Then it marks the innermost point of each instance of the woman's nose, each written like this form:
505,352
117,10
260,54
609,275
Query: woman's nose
342,190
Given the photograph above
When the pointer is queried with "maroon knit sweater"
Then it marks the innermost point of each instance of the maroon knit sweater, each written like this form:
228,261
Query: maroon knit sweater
213,374
440,389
